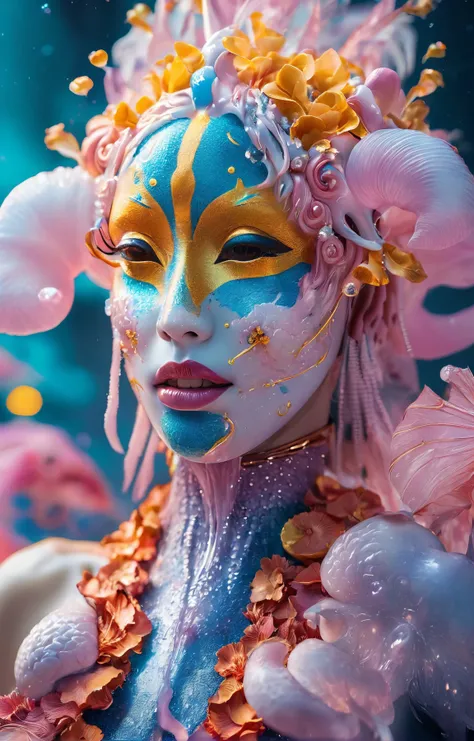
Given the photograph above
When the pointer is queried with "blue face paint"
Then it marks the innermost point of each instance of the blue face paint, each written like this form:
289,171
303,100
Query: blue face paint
144,295
192,434
243,295
157,157
222,146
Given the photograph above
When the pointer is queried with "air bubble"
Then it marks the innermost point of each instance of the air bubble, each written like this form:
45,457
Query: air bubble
51,295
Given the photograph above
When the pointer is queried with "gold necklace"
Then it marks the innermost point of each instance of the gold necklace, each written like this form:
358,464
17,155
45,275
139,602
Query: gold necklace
314,440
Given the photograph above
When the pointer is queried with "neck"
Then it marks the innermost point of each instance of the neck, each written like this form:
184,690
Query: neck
222,495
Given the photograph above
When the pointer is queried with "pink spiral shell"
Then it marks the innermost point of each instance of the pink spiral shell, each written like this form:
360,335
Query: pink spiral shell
98,144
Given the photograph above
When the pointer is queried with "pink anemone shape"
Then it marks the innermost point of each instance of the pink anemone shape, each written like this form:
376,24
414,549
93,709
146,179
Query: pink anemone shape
433,457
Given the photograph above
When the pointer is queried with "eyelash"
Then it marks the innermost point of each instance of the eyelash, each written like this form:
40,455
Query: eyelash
143,251
250,247
242,248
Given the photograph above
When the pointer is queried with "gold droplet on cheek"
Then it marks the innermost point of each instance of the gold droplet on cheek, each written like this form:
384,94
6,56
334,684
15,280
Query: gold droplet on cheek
227,325
231,170
152,182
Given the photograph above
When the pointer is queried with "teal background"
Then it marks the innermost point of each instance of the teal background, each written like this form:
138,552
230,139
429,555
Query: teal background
44,46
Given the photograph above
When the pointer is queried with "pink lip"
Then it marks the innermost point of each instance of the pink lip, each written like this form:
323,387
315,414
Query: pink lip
188,399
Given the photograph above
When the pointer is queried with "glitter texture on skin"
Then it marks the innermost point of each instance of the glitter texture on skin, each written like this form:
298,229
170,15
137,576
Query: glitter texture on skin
199,584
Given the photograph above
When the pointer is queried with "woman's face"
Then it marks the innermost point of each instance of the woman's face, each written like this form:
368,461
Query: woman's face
211,268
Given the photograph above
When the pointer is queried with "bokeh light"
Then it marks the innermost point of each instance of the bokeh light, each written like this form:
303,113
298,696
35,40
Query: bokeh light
24,401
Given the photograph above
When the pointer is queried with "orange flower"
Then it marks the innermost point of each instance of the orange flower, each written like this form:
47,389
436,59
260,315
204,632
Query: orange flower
269,583
430,80
265,39
330,114
358,503
309,535
435,51
310,575
98,58
231,660
93,689
122,627
155,83
116,575
82,731
230,716
124,117
256,634
289,91
81,85
143,104
15,706
331,73
179,69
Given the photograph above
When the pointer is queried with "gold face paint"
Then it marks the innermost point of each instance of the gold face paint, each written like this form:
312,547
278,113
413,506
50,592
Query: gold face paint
239,211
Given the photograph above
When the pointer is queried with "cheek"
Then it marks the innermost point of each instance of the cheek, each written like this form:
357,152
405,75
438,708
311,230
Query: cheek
142,298
243,295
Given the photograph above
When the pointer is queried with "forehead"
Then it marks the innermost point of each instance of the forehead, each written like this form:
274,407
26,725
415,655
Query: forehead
208,155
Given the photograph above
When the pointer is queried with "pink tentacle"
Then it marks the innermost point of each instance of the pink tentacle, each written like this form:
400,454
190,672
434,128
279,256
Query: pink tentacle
110,420
141,430
145,474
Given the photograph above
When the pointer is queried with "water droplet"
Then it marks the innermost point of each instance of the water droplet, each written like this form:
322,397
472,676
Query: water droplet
50,294
108,307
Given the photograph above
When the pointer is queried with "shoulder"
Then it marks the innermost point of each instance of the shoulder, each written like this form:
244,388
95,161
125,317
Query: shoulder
34,582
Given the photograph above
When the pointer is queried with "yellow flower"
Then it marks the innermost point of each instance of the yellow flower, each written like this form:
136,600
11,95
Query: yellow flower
330,73
256,71
98,58
289,91
265,39
154,81
81,85
124,117
143,104
330,114
178,69
61,141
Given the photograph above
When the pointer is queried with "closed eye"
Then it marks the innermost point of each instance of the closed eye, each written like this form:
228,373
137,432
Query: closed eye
248,247
134,249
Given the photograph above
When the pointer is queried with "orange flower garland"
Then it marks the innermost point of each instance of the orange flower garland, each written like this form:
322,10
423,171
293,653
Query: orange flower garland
122,627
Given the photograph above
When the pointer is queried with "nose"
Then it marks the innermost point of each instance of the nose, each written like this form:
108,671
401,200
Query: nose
184,327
